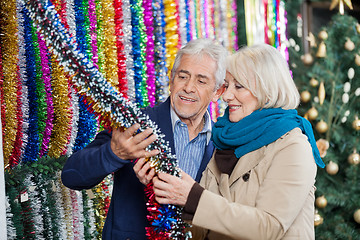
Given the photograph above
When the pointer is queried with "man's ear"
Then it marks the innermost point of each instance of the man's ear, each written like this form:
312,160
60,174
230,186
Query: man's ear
218,93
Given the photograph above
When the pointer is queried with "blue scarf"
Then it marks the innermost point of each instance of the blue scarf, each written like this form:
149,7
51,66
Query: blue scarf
260,128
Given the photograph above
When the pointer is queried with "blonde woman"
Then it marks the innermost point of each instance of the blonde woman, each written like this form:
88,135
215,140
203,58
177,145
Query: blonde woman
259,183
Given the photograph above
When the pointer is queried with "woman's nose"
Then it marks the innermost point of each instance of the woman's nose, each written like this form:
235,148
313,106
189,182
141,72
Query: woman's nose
228,95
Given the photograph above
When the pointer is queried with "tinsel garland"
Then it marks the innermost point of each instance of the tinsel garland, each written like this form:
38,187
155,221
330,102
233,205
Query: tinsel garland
111,108
101,202
234,20
11,85
149,52
77,221
67,206
32,147
74,105
118,19
47,195
138,52
93,37
46,79
23,79
62,123
32,209
70,17
57,188
205,18
162,80
211,19
110,68
223,33
10,228
171,32
183,21
127,36
89,220
197,19
188,22
40,88
13,194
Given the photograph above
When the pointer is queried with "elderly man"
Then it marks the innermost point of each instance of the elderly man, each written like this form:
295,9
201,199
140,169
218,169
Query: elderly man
196,80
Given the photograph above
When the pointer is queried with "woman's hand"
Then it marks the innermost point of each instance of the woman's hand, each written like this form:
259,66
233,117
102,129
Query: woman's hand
170,189
144,171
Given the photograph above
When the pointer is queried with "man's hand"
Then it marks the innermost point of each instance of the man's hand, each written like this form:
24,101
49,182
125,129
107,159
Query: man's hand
127,145
144,171
170,189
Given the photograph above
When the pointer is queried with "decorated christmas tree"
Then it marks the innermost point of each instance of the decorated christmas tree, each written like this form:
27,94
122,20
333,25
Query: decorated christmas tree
328,78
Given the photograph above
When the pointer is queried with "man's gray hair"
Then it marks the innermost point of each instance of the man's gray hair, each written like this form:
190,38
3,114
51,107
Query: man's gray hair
204,46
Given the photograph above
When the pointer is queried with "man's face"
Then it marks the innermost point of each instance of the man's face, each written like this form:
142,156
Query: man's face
193,86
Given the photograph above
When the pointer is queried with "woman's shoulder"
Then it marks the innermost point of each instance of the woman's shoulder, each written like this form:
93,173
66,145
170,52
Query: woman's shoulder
294,138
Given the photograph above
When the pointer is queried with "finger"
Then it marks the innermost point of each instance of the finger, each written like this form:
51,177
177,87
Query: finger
150,175
165,177
140,137
145,168
162,200
132,130
139,164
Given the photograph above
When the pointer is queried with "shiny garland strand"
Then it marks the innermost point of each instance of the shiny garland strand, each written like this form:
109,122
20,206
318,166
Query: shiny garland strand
23,79
149,51
10,85
92,33
129,61
46,79
67,206
87,124
10,227
110,68
118,19
77,222
171,32
162,80
103,99
57,188
34,209
62,123
32,147
138,52
40,89
183,21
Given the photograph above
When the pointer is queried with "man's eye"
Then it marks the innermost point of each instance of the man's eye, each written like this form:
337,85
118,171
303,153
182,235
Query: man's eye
202,82
182,77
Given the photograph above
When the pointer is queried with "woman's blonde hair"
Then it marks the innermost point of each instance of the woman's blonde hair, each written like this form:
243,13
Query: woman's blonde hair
265,73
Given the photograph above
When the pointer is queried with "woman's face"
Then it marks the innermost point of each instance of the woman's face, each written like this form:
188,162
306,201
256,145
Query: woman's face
241,101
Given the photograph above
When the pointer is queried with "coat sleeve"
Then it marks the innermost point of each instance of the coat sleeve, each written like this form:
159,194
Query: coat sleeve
88,167
281,196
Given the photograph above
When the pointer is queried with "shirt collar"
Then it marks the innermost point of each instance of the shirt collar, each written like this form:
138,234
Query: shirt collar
207,126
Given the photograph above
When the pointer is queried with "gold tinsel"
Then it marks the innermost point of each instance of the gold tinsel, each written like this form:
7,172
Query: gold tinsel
171,32
110,68
9,49
62,111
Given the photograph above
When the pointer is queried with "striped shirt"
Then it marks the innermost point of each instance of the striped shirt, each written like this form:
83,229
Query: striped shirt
190,153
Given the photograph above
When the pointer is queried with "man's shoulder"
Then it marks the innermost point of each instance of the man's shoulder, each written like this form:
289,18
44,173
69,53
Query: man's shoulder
160,110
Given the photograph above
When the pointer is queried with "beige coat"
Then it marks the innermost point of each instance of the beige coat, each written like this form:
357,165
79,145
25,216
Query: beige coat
276,201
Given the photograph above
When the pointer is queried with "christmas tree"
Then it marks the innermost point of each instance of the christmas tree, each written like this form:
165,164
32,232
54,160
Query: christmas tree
328,78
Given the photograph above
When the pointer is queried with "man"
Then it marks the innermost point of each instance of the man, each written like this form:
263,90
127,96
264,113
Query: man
196,79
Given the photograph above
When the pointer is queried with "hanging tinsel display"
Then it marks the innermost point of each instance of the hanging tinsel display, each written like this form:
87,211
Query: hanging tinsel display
110,106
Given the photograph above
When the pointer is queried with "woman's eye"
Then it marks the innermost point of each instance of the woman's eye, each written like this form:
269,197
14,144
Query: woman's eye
239,86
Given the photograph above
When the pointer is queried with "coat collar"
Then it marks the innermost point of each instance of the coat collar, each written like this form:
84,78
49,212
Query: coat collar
244,165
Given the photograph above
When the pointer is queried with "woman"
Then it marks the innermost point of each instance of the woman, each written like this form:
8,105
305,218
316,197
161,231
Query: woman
259,183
